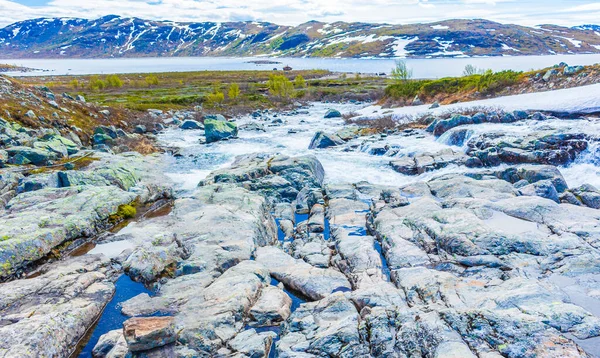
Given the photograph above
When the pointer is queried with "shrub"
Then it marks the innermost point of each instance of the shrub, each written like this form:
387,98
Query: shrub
234,91
114,81
74,84
280,86
401,72
299,82
152,80
96,83
215,98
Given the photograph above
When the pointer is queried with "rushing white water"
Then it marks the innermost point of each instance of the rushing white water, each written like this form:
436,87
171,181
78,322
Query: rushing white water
342,166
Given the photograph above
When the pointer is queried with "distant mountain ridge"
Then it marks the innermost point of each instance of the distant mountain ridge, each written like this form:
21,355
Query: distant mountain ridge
115,36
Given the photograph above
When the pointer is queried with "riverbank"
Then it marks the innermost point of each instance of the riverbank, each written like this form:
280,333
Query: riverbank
297,230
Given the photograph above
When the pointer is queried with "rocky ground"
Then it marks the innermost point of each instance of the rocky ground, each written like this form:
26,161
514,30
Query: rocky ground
470,238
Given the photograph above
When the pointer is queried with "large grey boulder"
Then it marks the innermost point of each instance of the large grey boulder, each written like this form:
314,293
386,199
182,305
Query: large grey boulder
216,130
27,155
332,113
323,140
273,307
145,333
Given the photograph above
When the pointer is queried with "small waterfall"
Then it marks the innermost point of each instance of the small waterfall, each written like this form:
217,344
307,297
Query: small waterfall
456,137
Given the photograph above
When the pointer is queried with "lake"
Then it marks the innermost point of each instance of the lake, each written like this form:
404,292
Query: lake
422,68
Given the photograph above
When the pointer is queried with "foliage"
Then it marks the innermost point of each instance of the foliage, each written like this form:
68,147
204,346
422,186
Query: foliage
234,91
114,81
280,86
488,82
96,84
74,84
401,72
215,98
299,82
152,80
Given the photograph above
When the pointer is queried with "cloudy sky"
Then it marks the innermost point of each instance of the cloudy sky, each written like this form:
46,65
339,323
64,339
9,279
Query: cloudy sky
293,12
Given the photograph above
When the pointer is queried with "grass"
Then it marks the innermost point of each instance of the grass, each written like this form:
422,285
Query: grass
429,90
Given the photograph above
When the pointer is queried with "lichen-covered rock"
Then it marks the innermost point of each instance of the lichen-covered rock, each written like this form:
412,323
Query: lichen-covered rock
37,221
191,124
216,130
47,315
27,155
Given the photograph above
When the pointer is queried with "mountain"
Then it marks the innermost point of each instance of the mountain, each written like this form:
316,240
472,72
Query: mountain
114,36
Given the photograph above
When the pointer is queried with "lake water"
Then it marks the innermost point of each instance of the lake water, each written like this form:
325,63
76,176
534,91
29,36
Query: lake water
422,68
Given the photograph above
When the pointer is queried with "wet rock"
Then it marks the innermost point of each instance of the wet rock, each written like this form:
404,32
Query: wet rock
47,315
315,283
258,127
273,307
323,140
332,113
444,125
191,124
214,117
216,130
426,162
435,105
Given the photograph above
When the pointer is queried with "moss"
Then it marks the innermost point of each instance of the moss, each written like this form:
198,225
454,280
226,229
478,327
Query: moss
127,211
124,212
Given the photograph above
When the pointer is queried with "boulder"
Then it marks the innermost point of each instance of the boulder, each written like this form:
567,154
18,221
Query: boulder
252,344
588,195
444,125
273,307
333,113
191,124
144,333
323,140
27,155
214,117
140,129
3,158
216,130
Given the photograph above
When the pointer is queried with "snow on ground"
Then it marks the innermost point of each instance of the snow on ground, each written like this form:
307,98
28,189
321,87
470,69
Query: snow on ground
400,44
585,99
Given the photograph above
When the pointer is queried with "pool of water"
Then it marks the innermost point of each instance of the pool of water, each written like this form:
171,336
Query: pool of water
112,318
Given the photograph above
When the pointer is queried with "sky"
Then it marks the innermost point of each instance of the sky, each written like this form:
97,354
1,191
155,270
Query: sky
294,12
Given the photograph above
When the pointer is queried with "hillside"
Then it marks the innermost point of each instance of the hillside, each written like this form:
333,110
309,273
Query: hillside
114,36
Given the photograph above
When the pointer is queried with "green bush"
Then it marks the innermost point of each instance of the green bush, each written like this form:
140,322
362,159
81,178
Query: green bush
152,80
114,81
215,98
488,82
401,72
299,82
96,84
234,91
280,86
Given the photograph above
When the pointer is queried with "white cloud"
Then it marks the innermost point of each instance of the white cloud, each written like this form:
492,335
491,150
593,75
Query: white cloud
293,12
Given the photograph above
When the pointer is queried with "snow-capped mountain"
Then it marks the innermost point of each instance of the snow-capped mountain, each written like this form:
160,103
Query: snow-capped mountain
114,36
